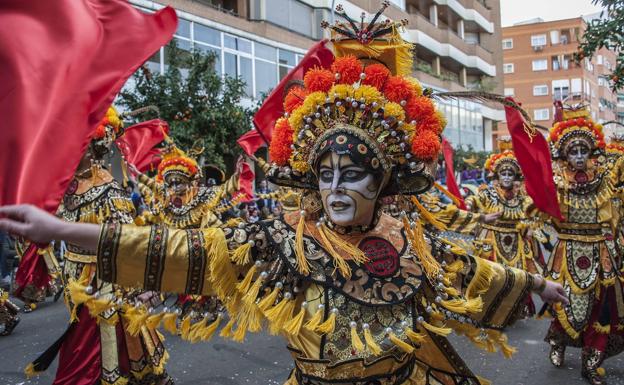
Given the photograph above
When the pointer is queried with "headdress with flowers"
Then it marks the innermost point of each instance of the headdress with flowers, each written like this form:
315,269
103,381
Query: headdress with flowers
109,129
366,107
575,126
616,145
504,159
176,161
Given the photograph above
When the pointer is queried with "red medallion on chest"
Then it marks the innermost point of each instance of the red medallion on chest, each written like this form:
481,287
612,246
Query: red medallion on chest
383,257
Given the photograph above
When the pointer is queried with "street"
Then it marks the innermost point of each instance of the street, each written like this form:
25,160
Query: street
264,360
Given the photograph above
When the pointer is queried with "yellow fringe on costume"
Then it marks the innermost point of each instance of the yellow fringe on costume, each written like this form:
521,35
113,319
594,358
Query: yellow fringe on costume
440,330
356,342
602,329
314,322
293,327
269,300
30,371
169,322
427,215
210,330
448,194
482,279
242,254
404,346
302,261
371,344
414,336
328,326
279,314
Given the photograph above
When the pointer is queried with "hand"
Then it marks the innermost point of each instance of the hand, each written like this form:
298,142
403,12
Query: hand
553,293
31,223
491,218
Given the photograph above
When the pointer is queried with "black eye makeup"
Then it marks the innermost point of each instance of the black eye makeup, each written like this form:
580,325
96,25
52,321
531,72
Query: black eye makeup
327,175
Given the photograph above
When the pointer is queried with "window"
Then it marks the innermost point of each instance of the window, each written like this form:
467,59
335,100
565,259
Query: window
541,114
554,37
293,15
599,59
602,81
560,89
287,60
508,68
577,85
538,40
509,92
540,65
540,90
507,43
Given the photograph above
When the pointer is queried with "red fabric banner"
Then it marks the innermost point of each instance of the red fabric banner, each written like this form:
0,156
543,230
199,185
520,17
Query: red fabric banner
533,156
245,181
63,62
138,142
451,182
272,108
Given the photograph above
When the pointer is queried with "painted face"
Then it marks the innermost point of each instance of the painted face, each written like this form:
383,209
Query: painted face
178,188
506,178
348,191
577,156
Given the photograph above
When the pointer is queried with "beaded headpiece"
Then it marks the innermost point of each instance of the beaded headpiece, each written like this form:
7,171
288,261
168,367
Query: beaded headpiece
108,130
363,108
576,126
176,161
504,159
616,145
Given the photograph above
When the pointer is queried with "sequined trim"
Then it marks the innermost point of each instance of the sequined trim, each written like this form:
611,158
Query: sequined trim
197,262
107,251
156,257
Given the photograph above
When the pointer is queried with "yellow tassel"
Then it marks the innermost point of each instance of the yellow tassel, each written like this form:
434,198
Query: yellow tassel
427,215
169,323
185,327
196,330
293,326
269,300
480,283
414,336
356,342
242,254
443,331
371,344
602,329
239,334
356,255
279,314
210,330
30,371
483,381
244,285
601,371
77,293
136,320
419,246
328,326
454,267
227,329
444,191
461,306
451,291
97,307
223,273
302,262
316,319
339,261
407,348
252,294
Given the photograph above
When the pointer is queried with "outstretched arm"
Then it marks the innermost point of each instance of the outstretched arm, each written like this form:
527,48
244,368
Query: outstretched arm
41,227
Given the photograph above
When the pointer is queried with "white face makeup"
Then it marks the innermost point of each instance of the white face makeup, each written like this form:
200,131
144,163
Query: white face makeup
177,188
348,191
506,178
577,157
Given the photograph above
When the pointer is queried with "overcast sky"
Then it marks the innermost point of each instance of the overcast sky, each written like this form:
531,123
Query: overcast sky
513,11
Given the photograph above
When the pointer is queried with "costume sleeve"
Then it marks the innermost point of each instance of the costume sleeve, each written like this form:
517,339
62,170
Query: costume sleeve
230,186
503,290
458,220
191,261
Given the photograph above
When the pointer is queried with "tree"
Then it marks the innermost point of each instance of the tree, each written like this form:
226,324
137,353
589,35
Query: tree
202,108
607,32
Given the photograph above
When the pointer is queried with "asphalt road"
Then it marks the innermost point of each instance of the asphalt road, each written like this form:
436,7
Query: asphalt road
263,359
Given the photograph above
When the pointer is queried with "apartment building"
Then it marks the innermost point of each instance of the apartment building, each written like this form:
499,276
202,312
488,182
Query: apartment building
539,68
457,46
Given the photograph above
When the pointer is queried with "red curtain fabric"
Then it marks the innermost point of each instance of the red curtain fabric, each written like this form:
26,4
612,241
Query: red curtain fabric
63,62
245,181
451,183
272,108
138,142
533,156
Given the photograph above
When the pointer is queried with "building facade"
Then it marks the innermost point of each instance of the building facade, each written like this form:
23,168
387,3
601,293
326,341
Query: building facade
539,68
457,46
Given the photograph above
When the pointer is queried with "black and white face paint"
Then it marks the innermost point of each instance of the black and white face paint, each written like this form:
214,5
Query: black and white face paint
348,191
577,156
506,178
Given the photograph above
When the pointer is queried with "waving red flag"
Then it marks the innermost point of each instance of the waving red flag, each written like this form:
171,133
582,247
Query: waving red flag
451,183
138,142
272,108
63,62
533,155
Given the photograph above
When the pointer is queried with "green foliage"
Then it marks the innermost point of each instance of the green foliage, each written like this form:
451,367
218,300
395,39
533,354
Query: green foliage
202,109
608,32
461,153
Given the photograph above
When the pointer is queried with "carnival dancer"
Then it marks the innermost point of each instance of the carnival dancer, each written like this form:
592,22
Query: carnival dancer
37,275
359,296
8,314
585,259
99,347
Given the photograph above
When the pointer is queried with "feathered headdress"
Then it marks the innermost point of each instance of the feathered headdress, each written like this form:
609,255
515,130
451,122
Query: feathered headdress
367,110
616,145
109,128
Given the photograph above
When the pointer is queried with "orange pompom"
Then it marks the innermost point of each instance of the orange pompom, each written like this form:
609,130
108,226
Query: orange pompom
100,131
398,89
348,69
295,97
430,123
426,146
318,79
376,75
281,140
419,108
